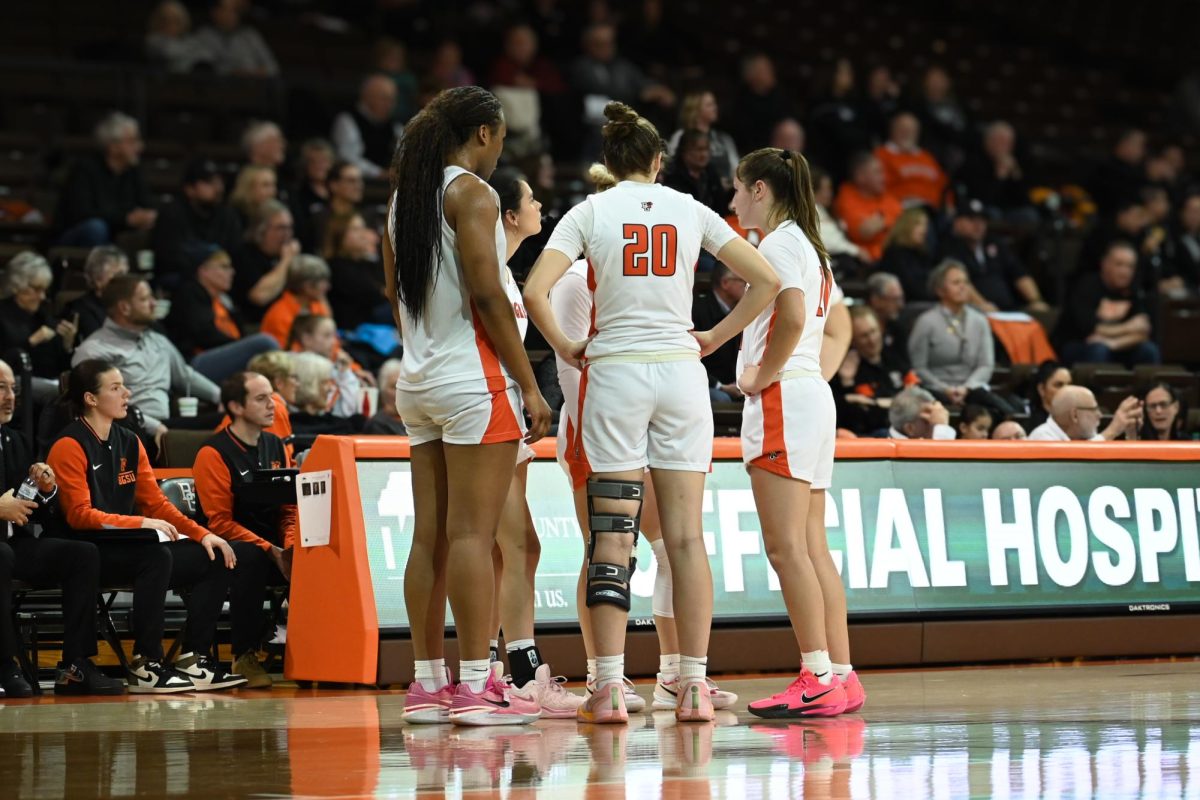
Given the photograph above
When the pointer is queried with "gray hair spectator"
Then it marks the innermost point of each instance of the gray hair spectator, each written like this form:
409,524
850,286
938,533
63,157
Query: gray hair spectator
28,324
105,194
314,382
951,346
103,264
885,296
1075,416
387,421
25,271
261,263
264,144
305,271
917,414
233,48
169,41
366,135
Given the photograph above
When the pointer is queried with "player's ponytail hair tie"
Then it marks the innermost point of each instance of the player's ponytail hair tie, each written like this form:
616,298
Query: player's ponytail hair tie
786,155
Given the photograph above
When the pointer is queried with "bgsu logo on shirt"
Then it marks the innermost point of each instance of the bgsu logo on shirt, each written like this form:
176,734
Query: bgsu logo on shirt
125,476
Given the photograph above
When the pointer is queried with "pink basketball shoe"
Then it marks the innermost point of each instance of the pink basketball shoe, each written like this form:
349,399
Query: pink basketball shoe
805,697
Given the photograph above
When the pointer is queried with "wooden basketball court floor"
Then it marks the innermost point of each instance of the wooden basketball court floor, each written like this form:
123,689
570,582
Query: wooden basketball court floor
1114,730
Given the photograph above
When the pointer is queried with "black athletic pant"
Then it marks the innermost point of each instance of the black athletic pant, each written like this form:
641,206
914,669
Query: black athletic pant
48,563
146,567
205,582
256,571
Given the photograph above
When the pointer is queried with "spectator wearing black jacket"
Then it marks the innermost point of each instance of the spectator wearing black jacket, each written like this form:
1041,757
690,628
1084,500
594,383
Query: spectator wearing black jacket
906,254
1121,176
1183,266
205,323
105,194
995,178
27,321
999,281
869,376
1108,318
103,264
44,563
693,172
198,216
262,261
707,310
760,103
356,285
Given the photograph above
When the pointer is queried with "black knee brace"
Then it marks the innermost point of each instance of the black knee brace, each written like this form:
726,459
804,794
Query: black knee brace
609,583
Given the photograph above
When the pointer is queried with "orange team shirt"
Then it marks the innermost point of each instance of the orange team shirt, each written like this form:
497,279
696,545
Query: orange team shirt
283,312
214,486
71,467
223,321
853,208
281,427
912,175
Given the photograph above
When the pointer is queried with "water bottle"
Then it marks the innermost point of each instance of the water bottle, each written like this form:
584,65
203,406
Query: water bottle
28,490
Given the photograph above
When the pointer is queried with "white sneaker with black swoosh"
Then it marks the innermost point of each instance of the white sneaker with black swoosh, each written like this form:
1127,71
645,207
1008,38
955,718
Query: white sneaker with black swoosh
207,675
152,677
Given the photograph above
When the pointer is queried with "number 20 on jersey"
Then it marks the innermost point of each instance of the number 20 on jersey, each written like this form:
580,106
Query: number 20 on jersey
650,250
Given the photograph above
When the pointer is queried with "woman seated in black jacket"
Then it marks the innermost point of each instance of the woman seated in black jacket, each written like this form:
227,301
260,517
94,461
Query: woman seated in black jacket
206,325
906,254
356,292
27,323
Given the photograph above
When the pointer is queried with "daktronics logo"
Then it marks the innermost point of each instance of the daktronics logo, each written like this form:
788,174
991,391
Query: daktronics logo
1141,607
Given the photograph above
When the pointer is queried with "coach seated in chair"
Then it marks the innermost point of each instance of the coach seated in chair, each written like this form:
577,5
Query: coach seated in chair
43,563
242,508
917,414
108,495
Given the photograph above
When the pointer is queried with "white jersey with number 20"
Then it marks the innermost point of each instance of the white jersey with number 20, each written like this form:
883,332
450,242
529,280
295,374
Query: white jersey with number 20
641,242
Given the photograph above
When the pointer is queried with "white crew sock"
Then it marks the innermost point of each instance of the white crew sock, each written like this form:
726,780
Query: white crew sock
668,665
842,670
427,674
691,667
591,668
609,670
817,662
474,674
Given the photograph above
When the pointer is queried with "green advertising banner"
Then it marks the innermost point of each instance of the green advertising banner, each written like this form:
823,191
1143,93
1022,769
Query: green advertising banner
909,538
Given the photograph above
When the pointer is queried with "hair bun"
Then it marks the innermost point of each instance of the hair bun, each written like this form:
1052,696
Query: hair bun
619,113
600,177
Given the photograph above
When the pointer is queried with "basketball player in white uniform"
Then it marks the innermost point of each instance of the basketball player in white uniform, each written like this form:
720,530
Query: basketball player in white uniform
643,394
789,421
571,301
463,378
518,550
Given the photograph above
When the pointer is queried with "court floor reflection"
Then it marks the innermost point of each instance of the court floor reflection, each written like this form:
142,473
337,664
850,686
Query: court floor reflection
1111,731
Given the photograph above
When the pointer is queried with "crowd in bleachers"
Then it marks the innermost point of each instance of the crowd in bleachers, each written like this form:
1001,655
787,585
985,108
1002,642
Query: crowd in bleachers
253,218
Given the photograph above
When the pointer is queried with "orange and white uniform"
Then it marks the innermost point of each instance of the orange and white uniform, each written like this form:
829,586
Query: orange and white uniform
571,301
790,427
513,290
452,385
643,394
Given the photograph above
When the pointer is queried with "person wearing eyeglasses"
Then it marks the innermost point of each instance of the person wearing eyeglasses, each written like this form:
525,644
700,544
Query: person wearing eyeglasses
261,263
1075,417
1166,415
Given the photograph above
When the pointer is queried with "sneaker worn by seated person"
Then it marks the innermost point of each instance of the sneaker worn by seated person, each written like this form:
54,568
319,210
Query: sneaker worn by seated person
82,677
249,667
12,681
207,674
154,677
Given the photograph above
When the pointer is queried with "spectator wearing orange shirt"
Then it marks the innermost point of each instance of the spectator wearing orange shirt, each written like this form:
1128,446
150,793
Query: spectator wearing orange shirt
204,322
911,173
865,206
305,292
224,470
